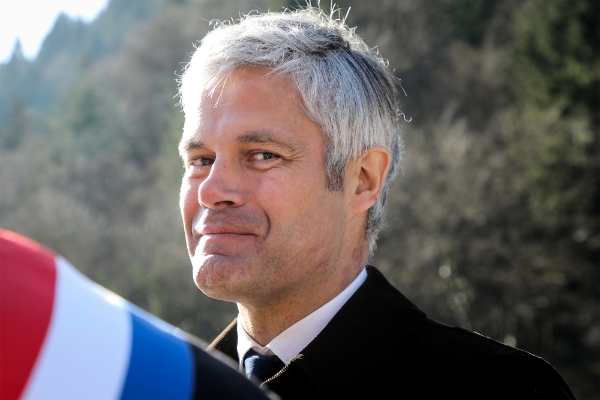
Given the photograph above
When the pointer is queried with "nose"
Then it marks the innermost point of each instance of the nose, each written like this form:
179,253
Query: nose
221,188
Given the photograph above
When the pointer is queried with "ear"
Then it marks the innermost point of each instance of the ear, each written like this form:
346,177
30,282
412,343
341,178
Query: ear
368,174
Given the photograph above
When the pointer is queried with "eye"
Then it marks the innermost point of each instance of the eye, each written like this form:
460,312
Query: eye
201,162
264,155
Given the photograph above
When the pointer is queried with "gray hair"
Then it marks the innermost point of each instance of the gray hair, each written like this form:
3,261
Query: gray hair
346,87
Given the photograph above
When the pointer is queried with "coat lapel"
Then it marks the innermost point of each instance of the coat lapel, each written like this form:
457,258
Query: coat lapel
373,331
226,342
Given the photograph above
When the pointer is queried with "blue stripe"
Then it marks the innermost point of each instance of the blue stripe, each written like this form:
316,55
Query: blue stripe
161,364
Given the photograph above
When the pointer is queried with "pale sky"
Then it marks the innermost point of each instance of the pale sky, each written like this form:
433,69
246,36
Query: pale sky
32,20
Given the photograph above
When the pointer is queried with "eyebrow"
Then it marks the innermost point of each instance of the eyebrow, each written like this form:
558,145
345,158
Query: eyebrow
265,136
269,138
185,145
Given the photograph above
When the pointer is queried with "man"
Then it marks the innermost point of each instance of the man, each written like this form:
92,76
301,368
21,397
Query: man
291,140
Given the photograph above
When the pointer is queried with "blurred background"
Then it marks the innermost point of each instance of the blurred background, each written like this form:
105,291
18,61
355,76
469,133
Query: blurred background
492,225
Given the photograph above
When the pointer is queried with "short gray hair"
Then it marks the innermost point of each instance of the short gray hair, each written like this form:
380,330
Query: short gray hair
346,87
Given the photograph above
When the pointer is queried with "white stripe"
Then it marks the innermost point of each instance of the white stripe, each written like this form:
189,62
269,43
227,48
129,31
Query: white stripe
86,350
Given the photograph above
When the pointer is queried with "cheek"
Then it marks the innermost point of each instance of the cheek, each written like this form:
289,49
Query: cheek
188,200
296,208
283,197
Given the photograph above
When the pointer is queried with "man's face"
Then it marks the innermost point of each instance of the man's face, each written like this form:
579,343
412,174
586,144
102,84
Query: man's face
259,220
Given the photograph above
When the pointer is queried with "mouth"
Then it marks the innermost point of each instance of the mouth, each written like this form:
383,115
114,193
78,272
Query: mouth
225,236
223,242
216,229
223,231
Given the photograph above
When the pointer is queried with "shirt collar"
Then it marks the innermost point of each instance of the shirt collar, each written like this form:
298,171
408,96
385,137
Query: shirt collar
295,338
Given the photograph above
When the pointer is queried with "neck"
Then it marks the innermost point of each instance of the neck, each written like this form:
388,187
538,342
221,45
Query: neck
264,322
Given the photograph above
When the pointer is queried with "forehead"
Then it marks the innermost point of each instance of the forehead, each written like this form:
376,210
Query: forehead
249,100
256,88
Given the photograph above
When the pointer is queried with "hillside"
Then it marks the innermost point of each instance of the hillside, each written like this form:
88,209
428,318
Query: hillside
68,50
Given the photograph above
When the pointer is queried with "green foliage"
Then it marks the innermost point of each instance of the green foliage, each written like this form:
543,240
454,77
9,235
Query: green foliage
556,53
85,115
16,127
555,68
464,20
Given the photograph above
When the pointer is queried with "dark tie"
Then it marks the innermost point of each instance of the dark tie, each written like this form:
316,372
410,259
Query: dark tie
261,367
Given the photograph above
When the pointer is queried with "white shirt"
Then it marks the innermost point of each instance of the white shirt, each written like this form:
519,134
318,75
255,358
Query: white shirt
295,338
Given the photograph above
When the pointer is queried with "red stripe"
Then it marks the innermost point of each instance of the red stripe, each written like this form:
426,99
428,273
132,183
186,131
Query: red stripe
27,281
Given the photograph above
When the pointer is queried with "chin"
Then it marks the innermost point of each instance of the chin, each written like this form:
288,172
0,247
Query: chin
219,277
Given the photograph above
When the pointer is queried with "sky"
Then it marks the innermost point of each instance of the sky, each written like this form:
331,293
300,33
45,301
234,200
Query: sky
32,20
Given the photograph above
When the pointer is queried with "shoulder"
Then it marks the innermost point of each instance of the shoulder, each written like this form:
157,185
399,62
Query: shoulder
440,361
463,345
472,364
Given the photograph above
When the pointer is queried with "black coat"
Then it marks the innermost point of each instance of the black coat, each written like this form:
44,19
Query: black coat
380,345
